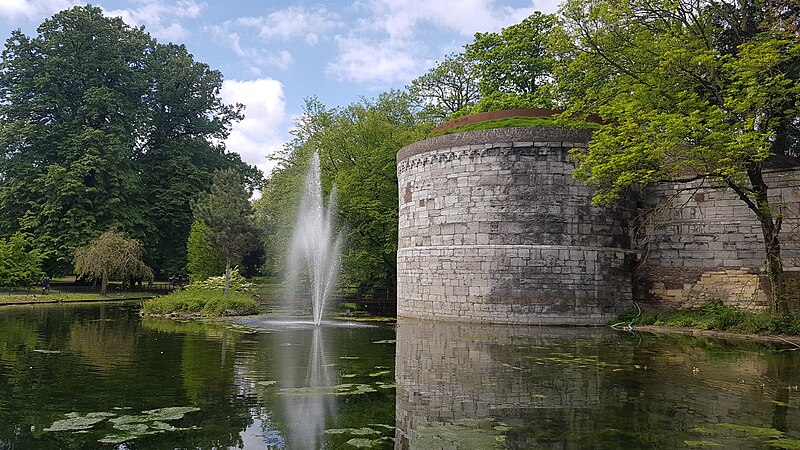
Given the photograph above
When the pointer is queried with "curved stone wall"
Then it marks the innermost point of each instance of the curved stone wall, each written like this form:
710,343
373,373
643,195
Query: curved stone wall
493,228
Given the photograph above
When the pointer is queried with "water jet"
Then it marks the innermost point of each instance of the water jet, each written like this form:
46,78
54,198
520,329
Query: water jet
314,255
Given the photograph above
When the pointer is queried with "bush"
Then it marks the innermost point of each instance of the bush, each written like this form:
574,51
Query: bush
237,282
203,302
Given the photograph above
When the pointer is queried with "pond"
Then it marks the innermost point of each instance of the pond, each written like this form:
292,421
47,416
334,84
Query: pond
100,376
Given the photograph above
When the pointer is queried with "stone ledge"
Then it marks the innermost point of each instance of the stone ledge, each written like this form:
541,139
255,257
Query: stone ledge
496,136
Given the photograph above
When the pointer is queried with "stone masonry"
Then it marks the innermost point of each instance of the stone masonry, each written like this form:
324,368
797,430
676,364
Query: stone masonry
700,242
493,228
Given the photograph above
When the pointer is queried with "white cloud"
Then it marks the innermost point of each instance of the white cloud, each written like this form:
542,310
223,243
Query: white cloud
389,42
292,22
262,131
257,57
465,17
370,62
162,19
33,9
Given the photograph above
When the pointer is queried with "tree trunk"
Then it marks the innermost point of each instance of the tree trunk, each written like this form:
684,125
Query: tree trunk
770,229
104,284
778,301
227,276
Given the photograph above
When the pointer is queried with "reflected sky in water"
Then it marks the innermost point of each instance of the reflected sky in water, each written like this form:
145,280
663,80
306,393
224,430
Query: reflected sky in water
442,385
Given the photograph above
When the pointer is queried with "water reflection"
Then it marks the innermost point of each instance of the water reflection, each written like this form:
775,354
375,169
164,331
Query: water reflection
308,410
481,386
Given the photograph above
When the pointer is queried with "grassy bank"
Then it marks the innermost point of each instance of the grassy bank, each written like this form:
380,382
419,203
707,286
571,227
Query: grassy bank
716,316
16,299
201,302
511,122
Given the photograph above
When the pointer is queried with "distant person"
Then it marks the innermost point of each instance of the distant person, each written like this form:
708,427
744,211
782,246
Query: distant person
45,284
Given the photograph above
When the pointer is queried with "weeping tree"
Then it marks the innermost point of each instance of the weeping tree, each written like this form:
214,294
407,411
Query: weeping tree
228,217
112,255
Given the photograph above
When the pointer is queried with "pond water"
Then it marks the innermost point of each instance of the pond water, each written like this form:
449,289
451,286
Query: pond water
99,376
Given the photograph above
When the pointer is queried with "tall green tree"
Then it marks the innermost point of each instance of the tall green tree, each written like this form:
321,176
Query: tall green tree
185,121
228,214
516,63
705,88
70,107
105,127
357,146
112,255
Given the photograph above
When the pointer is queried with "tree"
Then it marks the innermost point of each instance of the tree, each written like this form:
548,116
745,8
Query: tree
20,265
202,261
185,124
228,214
69,108
104,127
112,255
702,88
448,87
357,147
516,62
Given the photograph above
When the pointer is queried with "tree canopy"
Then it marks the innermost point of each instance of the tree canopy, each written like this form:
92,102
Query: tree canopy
105,127
448,87
517,62
357,147
689,88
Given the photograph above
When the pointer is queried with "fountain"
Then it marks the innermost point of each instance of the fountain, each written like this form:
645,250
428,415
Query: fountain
315,250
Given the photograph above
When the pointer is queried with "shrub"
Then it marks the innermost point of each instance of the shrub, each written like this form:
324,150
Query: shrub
204,302
238,283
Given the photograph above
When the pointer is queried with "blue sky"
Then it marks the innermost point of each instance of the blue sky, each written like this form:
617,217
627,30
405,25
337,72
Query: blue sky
273,54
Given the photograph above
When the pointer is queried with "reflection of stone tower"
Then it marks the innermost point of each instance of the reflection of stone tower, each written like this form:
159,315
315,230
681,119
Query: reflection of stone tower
457,383
494,229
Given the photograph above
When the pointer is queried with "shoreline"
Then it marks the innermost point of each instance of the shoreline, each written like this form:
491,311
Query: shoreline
794,340
62,300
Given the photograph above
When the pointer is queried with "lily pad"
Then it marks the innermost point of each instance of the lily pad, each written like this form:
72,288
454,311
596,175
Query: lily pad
170,413
786,444
353,431
339,389
77,421
364,443
701,444
764,433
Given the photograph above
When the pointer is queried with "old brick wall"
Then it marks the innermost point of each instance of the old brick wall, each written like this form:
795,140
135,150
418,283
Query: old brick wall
700,241
493,228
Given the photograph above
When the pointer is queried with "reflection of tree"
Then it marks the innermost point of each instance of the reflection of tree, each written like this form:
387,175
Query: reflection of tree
106,344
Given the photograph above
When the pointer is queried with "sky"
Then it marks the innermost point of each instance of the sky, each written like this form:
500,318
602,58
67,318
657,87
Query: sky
274,54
